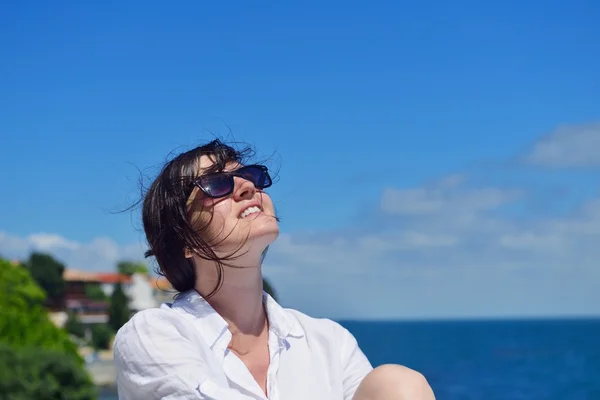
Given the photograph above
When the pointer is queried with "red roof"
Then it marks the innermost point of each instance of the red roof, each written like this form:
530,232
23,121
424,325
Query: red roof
108,277
72,275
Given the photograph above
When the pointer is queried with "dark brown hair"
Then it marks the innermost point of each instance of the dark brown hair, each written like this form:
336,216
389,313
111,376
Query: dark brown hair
165,216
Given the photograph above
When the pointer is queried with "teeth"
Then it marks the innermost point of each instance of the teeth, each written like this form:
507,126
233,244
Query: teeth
248,211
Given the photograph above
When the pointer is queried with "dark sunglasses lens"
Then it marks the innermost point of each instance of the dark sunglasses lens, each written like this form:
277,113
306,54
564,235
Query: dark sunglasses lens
216,185
259,176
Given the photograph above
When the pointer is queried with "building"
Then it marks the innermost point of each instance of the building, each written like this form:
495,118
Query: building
141,293
162,290
87,294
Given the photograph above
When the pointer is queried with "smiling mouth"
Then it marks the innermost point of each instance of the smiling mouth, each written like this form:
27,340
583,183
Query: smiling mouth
249,211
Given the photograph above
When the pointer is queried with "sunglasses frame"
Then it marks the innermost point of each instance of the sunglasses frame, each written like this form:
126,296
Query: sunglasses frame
230,175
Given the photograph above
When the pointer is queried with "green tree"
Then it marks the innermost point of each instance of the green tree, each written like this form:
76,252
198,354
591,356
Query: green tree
118,310
24,320
42,374
95,292
48,274
37,359
132,267
101,336
267,287
17,289
74,326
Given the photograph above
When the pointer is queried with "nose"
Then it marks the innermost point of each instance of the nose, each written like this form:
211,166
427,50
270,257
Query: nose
244,189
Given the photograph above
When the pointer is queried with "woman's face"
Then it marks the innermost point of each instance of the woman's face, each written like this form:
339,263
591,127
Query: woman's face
242,221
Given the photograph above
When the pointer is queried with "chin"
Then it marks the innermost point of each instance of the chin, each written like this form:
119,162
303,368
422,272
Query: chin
256,244
264,227
264,236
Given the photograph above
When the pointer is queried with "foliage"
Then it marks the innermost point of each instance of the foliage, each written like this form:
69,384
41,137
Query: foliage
94,291
267,287
24,321
42,374
118,311
131,267
37,359
48,273
101,336
74,326
17,289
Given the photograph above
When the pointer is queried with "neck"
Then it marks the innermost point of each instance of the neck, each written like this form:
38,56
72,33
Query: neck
239,301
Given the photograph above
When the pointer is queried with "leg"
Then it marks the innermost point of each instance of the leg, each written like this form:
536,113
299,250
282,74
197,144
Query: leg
394,382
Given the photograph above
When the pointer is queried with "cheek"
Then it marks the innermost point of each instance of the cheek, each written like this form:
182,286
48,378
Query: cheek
211,217
267,203
220,213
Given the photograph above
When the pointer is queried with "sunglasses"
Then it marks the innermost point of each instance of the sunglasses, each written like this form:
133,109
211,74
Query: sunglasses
221,184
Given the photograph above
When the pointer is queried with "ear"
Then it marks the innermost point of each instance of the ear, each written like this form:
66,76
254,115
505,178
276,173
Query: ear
187,253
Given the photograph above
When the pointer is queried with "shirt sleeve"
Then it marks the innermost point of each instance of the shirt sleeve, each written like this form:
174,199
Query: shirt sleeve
355,363
156,359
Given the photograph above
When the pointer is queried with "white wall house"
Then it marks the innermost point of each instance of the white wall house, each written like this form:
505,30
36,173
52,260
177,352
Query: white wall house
140,293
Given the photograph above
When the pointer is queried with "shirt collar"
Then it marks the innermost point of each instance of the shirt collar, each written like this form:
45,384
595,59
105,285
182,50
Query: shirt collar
281,321
213,326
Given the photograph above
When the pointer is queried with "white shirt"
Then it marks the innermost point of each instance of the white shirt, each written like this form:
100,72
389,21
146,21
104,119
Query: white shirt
179,351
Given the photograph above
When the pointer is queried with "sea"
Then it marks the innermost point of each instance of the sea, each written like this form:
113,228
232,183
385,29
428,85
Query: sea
489,359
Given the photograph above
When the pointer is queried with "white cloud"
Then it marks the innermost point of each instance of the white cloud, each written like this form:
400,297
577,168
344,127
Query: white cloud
568,146
100,254
406,240
49,241
530,241
445,196
461,258
446,251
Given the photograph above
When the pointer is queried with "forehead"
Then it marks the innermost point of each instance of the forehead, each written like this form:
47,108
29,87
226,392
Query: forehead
205,162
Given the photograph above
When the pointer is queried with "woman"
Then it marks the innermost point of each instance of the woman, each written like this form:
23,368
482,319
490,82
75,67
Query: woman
209,222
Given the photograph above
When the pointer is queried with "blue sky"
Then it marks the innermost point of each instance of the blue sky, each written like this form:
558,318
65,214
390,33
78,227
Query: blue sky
433,160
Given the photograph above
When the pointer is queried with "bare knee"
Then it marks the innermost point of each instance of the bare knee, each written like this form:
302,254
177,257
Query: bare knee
394,382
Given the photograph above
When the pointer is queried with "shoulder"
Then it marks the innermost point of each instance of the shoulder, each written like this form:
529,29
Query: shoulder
322,329
151,328
151,320
334,341
310,323
159,353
